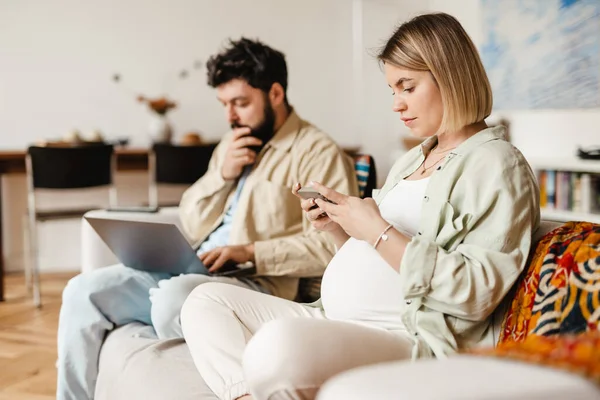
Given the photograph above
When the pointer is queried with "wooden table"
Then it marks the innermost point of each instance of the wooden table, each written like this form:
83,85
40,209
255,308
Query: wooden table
13,161
128,159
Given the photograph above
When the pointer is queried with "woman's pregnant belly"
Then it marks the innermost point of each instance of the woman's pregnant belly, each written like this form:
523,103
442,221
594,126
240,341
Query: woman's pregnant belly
360,286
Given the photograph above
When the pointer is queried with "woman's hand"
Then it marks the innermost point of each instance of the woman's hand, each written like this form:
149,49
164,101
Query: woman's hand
359,218
318,219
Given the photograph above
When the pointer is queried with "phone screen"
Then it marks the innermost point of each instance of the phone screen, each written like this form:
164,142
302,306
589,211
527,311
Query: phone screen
310,193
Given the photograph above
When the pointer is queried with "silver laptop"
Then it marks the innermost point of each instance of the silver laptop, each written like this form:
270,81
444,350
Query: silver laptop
158,247
149,246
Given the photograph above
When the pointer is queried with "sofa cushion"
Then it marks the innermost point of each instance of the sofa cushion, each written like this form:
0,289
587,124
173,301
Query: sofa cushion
136,365
458,378
560,290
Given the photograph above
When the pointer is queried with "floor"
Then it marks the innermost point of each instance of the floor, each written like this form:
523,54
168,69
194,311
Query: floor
28,339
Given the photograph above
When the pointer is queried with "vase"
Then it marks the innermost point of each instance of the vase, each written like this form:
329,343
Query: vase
159,129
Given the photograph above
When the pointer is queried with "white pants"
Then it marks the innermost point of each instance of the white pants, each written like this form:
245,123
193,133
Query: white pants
296,350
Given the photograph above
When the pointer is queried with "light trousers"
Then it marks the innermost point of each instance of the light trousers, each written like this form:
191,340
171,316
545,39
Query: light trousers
245,342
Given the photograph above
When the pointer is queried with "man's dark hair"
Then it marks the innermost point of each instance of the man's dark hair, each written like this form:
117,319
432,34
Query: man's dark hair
258,64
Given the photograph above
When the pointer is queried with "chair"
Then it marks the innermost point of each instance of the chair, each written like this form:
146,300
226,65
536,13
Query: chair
366,174
309,289
172,164
62,168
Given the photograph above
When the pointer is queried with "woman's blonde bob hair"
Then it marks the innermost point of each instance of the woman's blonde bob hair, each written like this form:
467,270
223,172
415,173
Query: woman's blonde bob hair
438,43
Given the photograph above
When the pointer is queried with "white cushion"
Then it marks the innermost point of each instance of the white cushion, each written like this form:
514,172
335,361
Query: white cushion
136,365
459,378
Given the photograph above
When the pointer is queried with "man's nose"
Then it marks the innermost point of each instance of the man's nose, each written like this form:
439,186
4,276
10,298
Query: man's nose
231,115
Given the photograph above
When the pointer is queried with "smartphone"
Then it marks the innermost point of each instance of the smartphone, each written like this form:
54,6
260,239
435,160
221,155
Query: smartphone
140,209
311,193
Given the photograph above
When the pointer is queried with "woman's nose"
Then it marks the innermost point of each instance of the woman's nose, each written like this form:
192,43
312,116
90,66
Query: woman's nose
399,105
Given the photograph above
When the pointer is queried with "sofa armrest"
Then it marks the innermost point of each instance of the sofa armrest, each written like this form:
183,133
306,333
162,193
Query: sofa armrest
96,254
459,378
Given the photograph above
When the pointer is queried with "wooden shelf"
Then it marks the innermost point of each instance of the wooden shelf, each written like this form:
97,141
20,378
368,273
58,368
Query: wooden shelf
566,164
565,216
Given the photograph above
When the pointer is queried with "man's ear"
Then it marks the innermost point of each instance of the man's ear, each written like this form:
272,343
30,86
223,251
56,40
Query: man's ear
276,95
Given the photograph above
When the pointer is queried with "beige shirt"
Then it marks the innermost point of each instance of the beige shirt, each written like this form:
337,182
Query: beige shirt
268,214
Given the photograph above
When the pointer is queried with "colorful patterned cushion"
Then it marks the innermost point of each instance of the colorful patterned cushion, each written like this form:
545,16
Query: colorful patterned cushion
577,353
560,292
553,318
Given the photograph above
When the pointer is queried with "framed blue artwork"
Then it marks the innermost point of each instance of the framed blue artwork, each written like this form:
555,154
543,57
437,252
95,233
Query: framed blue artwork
542,54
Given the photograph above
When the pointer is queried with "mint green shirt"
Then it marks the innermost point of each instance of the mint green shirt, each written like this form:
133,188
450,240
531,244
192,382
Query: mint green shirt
479,212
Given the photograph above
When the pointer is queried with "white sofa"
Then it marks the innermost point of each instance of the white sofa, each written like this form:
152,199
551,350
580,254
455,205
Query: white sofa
134,364
458,378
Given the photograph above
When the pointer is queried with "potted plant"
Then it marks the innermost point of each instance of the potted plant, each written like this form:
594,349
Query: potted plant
159,128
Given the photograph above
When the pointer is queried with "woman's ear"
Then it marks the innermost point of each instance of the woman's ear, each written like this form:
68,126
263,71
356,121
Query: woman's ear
276,95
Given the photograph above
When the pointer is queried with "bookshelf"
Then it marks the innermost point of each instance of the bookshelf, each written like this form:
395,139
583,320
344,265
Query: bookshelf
569,188
566,164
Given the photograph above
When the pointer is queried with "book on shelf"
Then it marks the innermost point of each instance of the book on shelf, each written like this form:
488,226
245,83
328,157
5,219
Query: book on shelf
569,191
542,177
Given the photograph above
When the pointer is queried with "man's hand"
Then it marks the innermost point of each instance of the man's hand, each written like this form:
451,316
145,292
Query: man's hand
216,258
238,154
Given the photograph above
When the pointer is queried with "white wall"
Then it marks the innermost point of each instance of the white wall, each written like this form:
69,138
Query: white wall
57,59
539,133
380,128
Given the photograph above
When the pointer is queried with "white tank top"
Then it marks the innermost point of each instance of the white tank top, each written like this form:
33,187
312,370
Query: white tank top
358,284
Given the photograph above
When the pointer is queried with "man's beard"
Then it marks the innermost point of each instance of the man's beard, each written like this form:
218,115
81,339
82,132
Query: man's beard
265,131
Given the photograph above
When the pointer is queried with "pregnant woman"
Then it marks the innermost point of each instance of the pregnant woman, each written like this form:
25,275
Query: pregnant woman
420,268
